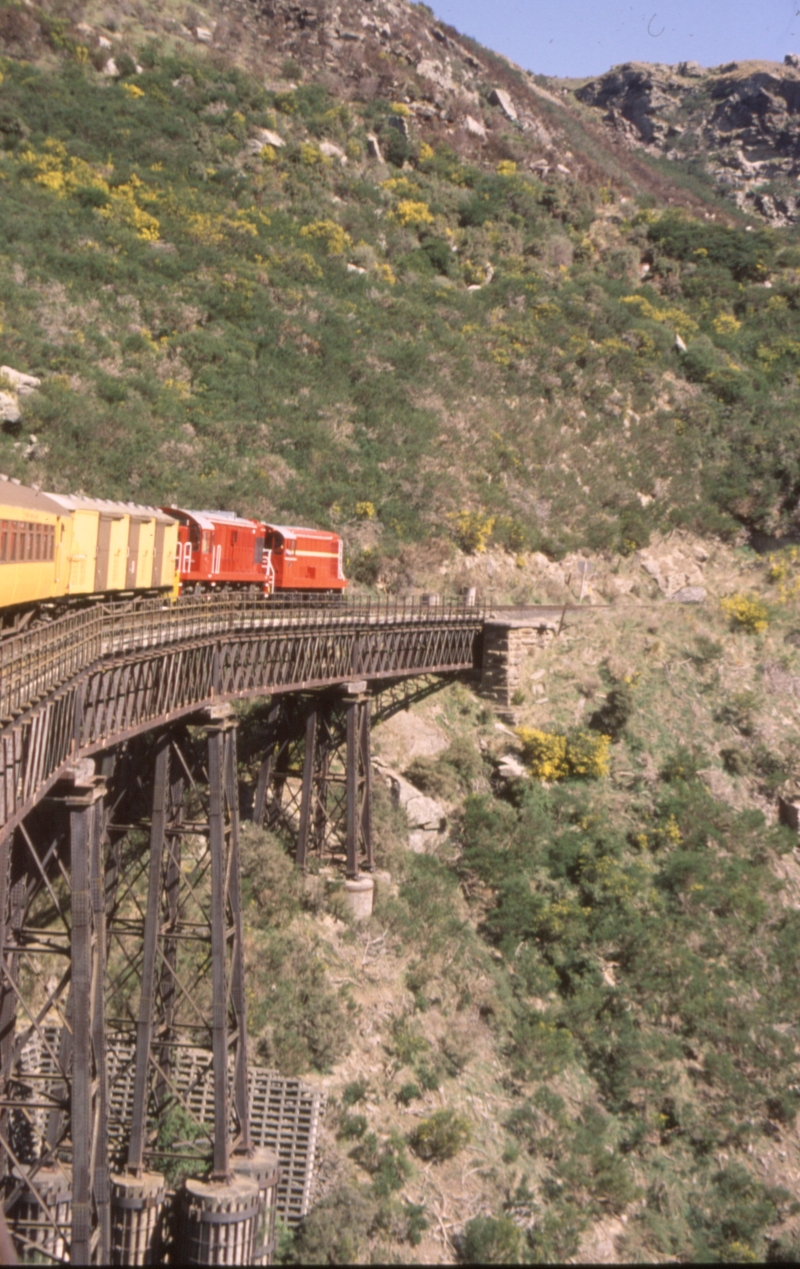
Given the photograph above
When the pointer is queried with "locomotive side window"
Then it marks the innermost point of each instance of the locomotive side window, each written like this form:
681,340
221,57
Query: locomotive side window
258,555
205,541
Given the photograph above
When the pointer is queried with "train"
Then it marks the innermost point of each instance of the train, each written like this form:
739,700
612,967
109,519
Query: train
60,549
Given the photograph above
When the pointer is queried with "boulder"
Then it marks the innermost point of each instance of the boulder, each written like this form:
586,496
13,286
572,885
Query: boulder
264,137
13,385
792,59
427,819
691,70
499,97
474,128
9,408
511,768
373,147
203,34
21,383
332,151
110,67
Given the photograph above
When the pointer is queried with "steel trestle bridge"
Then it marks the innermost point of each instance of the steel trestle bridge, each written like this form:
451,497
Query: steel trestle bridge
120,898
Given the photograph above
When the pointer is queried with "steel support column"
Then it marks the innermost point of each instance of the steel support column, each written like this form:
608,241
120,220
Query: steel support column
221,1170
152,921
307,798
237,954
85,952
351,780
365,759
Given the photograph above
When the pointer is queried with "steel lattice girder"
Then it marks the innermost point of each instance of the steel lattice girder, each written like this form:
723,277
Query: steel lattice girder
115,701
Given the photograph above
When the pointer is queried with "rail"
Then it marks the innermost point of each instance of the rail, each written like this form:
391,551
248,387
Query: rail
38,662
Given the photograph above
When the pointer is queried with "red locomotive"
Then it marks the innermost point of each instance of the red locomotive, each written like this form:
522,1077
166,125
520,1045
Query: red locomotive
220,550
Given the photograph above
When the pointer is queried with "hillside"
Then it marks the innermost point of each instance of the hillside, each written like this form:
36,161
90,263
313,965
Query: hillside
569,1030
339,264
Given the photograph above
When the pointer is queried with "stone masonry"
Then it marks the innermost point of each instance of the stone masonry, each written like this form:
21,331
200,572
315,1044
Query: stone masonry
505,643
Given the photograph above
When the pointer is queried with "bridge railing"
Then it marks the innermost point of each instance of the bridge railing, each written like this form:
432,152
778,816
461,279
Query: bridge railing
38,661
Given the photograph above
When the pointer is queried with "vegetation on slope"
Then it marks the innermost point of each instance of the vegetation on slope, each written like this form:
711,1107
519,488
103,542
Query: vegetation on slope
575,1020
441,346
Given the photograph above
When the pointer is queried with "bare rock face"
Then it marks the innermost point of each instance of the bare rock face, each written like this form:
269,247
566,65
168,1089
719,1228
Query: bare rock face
742,120
673,570
634,94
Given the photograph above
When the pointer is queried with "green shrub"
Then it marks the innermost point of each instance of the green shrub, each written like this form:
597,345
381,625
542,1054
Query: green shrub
613,716
491,1240
355,1092
352,1126
441,1136
408,1093
299,1022
336,1229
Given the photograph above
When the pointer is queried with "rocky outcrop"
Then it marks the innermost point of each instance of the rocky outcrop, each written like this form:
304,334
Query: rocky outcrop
427,818
741,120
633,95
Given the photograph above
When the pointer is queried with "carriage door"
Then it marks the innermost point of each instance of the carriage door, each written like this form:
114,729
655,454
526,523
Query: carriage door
101,582
133,553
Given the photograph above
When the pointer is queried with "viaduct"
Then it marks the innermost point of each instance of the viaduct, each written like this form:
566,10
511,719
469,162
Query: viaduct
121,940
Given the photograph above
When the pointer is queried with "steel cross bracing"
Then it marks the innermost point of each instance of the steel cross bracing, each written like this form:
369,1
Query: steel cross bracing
111,931
94,679
315,777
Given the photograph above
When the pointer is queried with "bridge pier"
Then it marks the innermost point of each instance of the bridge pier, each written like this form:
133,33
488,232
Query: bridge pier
315,778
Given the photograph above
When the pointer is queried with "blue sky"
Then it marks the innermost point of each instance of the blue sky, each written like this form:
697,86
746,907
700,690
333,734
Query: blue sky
581,37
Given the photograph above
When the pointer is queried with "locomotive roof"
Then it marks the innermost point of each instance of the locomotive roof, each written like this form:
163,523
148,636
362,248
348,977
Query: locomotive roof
293,529
207,519
107,506
13,494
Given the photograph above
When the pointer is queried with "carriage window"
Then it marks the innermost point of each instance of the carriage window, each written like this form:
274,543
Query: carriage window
12,540
3,540
37,542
